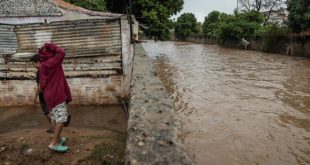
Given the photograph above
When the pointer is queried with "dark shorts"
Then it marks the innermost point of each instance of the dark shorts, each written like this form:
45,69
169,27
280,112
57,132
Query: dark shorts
43,104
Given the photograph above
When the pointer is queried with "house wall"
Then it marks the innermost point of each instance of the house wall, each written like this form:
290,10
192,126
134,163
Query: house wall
85,91
97,64
128,54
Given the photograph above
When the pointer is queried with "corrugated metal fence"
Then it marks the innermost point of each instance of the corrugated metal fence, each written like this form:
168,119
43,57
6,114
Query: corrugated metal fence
93,47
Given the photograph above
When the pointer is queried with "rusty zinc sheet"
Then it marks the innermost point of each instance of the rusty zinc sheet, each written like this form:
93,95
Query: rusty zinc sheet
93,47
8,40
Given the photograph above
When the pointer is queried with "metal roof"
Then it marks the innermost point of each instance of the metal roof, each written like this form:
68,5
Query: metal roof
23,8
44,8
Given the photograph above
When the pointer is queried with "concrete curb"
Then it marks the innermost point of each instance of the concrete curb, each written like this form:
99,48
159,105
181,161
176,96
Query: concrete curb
152,123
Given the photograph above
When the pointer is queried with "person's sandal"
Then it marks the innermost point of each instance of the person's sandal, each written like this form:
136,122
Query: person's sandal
50,130
59,148
67,123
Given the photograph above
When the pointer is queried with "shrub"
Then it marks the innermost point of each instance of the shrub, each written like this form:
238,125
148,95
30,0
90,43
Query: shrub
274,38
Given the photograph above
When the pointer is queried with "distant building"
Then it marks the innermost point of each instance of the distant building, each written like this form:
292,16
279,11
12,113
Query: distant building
276,16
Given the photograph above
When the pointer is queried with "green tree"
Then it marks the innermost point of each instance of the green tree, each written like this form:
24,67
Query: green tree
273,37
240,25
199,28
185,26
211,23
155,14
94,5
299,15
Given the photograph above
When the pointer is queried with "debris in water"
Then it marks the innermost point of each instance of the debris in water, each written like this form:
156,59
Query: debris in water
2,149
140,144
29,151
133,162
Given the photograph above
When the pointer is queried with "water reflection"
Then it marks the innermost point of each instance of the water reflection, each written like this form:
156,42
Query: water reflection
237,107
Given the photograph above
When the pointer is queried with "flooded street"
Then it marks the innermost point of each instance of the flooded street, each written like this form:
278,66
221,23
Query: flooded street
237,107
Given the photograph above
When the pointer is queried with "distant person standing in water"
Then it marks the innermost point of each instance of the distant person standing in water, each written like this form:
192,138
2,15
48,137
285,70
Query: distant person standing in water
56,91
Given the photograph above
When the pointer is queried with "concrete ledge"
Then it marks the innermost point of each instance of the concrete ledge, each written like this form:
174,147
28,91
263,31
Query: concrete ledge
152,123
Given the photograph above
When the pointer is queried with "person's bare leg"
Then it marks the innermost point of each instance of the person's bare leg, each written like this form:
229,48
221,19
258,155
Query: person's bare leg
52,128
56,138
53,125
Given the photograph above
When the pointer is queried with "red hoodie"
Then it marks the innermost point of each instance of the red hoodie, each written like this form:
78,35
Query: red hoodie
53,82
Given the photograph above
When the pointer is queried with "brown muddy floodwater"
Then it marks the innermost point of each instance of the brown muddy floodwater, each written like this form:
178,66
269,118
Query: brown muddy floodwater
92,117
96,135
237,107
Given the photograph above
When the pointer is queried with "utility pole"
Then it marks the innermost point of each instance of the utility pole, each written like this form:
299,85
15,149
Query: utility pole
237,6
129,7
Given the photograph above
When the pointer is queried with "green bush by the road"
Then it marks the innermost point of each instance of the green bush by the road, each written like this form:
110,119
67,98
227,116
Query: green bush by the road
185,26
239,25
211,23
273,37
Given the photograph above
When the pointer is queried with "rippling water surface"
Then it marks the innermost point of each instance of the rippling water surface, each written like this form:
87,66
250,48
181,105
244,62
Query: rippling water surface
237,107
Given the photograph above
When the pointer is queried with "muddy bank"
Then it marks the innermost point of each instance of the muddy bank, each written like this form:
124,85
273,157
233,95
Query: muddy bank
97,135
152,124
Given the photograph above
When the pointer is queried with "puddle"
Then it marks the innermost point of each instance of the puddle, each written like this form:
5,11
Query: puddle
95,117
96,135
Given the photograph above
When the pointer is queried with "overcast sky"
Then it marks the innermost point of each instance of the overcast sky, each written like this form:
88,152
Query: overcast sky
201,8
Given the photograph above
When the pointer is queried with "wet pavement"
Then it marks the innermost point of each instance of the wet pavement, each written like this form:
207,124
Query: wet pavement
92,117
236,106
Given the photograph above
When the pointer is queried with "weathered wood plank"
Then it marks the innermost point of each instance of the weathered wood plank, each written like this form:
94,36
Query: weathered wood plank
67,67
90,60
69,74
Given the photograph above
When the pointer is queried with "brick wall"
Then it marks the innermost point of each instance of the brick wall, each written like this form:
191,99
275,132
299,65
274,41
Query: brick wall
85,91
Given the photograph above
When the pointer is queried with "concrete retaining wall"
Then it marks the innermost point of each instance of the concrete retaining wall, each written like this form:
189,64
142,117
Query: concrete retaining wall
152,123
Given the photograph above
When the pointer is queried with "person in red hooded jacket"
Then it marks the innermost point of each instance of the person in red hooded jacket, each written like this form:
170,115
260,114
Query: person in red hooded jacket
54,86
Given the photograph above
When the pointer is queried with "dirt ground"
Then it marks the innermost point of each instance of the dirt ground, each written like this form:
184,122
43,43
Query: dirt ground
88,143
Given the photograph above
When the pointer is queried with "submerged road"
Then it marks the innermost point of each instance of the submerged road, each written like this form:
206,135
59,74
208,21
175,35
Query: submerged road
237,107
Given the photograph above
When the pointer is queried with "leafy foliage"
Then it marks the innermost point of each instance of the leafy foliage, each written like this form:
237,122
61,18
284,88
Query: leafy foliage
95,5
299,15
273,36
211,23
186,25
238,26
154,14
